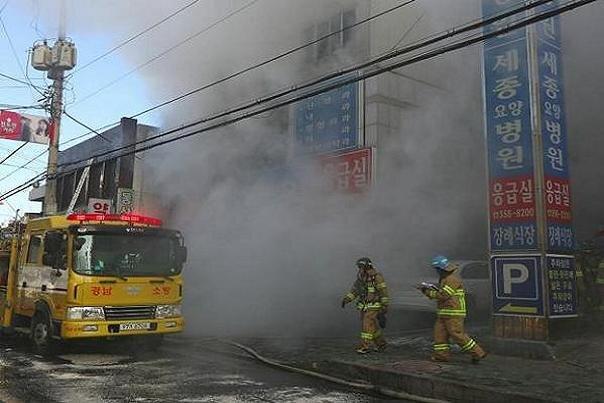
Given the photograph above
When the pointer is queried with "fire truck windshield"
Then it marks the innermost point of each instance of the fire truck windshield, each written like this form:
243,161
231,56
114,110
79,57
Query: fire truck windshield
125,255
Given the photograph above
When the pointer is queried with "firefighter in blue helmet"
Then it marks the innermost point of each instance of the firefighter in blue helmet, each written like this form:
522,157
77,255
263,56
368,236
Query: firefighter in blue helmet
371,294
451,311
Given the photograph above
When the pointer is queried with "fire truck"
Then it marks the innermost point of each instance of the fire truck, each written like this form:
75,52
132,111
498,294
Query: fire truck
90,276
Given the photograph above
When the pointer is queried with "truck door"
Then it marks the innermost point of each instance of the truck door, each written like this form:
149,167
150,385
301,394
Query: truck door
28,280
53,274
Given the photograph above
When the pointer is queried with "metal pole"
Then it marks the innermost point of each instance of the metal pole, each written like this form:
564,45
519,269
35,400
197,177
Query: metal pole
50,197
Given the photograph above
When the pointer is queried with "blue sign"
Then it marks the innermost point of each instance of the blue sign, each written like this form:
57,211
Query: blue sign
558,206
512,205
517,285
562,282
329,121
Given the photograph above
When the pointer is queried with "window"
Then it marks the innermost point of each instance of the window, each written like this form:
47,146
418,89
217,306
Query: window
33,251
336,23
475,271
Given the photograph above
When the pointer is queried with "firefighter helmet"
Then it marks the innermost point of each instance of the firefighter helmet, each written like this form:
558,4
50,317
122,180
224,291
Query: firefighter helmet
440,263
364,263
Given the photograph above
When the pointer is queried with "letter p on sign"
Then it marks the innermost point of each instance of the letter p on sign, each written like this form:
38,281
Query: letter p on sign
513,273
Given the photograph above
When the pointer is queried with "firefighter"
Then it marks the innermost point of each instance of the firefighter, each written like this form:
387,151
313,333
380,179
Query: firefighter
371,294
451,311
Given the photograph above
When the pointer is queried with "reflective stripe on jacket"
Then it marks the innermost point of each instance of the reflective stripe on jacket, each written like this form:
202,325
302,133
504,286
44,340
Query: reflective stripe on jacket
370,292
451,296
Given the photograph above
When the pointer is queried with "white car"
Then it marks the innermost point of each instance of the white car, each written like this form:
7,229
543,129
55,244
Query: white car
477,283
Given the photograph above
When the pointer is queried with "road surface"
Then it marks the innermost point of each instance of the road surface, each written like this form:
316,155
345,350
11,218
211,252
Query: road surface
182,370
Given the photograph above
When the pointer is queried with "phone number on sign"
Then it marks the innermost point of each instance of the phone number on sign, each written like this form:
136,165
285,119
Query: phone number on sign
507,214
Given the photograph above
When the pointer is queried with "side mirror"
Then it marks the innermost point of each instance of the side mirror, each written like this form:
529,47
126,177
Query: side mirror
181,254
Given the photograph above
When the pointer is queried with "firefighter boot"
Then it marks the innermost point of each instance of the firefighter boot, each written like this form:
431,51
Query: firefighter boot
380,341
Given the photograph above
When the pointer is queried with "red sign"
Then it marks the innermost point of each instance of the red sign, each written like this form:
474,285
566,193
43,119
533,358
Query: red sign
10,125
23,127
350,172
512,199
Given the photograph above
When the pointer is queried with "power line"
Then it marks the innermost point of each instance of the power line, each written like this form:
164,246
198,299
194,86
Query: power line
84,125
15,151
14,52
334,75
15,79
136,36
23,166
258,65
165,52
465,42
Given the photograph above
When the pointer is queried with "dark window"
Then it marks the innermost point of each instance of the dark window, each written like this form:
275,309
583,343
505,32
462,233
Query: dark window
475,271
94,181
67,191
336,23
33,251
109,185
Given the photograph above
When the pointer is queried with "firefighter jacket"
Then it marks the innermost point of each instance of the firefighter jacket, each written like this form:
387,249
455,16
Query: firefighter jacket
370,291
451,297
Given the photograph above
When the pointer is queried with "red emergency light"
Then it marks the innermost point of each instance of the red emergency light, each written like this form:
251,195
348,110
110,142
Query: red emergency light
131,218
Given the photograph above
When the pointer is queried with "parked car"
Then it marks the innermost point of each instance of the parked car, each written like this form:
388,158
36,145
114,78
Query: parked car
477,283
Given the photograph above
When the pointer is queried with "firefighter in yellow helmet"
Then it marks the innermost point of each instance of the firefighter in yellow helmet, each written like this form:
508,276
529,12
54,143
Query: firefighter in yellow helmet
451,311
371,294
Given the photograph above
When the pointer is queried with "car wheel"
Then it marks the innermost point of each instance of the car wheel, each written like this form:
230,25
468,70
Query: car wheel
41,334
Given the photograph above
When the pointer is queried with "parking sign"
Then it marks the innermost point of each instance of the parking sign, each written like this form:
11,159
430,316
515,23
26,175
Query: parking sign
517,282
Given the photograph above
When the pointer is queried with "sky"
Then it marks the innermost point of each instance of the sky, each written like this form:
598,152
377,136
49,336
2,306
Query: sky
31,20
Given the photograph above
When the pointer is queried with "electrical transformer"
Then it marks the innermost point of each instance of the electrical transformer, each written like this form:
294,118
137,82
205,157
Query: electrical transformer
64,55
41,56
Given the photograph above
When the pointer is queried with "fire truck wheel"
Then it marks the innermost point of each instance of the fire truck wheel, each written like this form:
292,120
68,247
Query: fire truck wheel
41,336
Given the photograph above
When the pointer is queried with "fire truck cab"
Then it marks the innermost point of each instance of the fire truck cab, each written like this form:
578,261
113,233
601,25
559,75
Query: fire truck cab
91,276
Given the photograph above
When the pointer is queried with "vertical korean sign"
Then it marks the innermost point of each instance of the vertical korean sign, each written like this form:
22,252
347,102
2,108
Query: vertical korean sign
512,201
552,122
329,121
529,183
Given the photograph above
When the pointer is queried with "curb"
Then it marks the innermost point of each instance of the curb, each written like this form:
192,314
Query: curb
536,350
424,385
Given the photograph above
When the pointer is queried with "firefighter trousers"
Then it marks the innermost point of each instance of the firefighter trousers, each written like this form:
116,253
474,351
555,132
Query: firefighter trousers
452,328
370,330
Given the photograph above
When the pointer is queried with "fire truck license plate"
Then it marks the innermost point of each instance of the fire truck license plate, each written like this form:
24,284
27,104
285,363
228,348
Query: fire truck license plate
135,326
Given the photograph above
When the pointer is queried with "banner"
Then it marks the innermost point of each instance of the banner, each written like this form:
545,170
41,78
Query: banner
512,202
24,127
350,172
329,121
558,207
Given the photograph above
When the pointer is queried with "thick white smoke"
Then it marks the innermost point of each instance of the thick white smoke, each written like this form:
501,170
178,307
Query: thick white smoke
271,249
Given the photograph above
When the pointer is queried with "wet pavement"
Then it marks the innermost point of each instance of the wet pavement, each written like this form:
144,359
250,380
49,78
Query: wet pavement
574,376
182,370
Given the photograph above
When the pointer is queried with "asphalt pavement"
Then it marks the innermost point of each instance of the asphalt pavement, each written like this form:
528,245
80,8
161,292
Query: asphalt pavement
182,370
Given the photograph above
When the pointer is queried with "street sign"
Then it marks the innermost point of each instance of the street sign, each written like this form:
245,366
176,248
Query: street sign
350,172
99,206
329,121
517,282
562,288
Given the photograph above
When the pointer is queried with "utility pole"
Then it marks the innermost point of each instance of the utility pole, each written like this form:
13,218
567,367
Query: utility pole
55,60
56,110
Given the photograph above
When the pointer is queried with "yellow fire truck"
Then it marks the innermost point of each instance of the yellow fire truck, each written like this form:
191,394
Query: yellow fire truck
91,275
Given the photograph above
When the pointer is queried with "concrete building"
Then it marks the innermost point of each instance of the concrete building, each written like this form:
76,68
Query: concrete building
108,177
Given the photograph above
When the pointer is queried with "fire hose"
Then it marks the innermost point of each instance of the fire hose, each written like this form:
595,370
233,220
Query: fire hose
357,385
